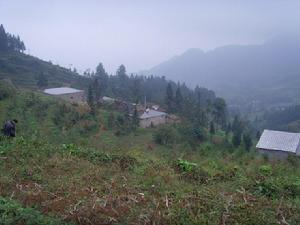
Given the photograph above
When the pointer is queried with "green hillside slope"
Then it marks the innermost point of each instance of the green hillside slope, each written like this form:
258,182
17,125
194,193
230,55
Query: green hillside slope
24,70
70,165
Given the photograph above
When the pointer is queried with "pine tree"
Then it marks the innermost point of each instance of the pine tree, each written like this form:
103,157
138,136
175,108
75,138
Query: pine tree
100,81
121,72
228,129
169,98
237,130
257,135
247,141
212,130
42,81
178,99
135,119
136,89
90,100
220,111
3,39
237,138
122,83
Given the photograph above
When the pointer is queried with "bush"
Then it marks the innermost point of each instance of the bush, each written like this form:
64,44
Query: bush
193,134
292,189
185,166
265,169
268,188
191,171
165,136
7,89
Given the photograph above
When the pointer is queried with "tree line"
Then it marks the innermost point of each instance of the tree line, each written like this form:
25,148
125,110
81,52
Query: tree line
10,42
198,106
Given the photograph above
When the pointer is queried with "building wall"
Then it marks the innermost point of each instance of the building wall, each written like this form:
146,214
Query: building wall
274,154
74,97
144,123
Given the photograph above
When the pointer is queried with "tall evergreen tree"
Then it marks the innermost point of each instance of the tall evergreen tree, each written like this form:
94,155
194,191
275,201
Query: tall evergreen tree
169,100
220,112
212,129
42,80
237,138
3,39
90,100
135,119
121,72
136,89
247,141
178,99
100,81
237,129
122,83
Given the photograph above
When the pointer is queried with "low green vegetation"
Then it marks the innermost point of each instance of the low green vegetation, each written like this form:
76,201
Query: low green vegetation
12,213
135,184
68,164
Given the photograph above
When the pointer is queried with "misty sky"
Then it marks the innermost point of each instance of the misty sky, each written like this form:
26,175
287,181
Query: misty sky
141,33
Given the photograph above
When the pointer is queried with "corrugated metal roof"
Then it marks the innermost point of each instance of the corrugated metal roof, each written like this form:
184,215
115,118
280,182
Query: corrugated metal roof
151,113
61,91
279,140
108,99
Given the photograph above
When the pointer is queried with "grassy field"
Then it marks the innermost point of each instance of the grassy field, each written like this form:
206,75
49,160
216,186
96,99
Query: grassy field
80,172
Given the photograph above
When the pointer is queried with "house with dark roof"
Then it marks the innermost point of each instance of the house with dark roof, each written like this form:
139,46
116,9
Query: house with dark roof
152,117
67,93
279,144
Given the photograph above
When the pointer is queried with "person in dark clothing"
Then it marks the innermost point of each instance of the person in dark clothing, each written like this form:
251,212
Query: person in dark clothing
9,128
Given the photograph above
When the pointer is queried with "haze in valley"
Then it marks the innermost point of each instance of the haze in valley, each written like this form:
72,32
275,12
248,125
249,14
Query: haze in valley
141,34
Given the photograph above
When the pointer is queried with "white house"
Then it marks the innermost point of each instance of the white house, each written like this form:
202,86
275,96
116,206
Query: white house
279,144
152,117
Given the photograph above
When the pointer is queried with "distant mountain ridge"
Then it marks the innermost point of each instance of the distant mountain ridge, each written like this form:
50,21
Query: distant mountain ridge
267,74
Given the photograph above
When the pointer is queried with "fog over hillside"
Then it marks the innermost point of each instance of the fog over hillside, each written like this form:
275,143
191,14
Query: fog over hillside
267,73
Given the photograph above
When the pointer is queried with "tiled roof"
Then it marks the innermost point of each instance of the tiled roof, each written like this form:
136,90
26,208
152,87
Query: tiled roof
61,91
278,140
152,113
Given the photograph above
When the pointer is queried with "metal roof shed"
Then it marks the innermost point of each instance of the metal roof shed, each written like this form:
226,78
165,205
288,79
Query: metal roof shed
61,91
271,140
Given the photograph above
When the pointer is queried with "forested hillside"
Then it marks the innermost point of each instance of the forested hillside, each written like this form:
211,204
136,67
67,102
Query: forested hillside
28,71
254,77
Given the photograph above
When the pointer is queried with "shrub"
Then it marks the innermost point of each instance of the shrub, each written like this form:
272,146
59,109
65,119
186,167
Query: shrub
268,188
165,135
292,189
265,169
193,134
185,166
7,89
191,171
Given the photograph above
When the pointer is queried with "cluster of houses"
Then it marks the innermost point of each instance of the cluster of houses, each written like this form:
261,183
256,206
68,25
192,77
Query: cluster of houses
149,116
274,144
